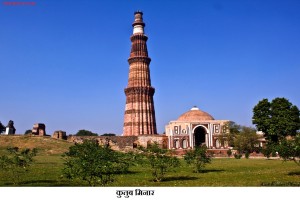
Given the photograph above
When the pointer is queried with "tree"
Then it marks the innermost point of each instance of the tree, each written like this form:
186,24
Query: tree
289,149
108,134
198,158
17,162
2,128
94,164
160,161
85,133
270,149
27,132
276,119
246,141
242,138
232,129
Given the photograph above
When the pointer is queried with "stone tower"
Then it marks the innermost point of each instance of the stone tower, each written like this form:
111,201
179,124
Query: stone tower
139,118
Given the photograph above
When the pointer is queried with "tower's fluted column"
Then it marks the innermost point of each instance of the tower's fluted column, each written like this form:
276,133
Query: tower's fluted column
139,118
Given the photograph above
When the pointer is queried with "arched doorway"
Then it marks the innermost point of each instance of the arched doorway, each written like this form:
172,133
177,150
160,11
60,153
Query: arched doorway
199,135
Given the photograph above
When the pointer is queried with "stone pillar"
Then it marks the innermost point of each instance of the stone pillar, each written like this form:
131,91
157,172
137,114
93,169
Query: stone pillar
139,118
59,134
39,129
10,129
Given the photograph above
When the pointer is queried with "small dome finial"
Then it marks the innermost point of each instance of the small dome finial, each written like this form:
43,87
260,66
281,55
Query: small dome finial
138,11
195,108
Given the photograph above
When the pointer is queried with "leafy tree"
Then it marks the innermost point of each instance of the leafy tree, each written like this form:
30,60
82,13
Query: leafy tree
2,128
94,164
16,164
160,160
233,129
85,133
290,149
108,134
242,138
27,132
270,149
198,158
246,140
276,119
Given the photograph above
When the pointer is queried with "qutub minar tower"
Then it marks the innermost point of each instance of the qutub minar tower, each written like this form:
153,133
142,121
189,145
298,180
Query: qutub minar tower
139,118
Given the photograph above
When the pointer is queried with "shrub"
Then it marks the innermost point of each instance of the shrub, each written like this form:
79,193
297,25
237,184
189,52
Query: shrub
160,161
237,156
16,164
198,158
108,134
290,149
229,152
85,133
247,154
27,132
94,164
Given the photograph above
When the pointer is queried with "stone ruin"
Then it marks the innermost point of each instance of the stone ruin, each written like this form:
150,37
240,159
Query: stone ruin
59,134
10,129
39,129
123,143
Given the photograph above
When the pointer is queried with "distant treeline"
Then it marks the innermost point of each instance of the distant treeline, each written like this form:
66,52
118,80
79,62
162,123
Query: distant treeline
90,133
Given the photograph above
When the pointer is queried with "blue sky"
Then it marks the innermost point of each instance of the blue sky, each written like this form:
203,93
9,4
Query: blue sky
64,62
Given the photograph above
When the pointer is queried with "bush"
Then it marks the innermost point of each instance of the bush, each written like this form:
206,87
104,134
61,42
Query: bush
247,154
198,158
93,163
108,134
85,133
237,156
290,149
27,132
160,161
229,152
16,164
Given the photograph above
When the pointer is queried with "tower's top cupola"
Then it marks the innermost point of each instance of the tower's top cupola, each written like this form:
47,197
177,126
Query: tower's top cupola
138,24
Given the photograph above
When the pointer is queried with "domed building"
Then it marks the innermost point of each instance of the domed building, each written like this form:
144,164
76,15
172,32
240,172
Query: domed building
194,128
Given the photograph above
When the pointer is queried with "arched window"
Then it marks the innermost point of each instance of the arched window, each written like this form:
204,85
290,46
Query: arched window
176,144
218,143
184,144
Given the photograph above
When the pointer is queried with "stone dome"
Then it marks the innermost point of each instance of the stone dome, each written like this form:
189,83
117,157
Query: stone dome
195,114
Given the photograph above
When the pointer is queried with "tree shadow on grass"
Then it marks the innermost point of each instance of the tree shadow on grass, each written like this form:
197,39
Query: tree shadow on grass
211,170
271,159
294,173
35,182
179,178
43,183
130,172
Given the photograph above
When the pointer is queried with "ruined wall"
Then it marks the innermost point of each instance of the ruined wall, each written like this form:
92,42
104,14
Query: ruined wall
123,143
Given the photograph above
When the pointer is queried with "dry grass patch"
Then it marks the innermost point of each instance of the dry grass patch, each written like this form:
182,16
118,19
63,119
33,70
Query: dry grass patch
45,145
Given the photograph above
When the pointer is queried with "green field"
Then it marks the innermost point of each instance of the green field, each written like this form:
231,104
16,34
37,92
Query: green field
46,171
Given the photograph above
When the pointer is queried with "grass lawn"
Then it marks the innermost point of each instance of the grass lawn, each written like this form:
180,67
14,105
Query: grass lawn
221,172
46,171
